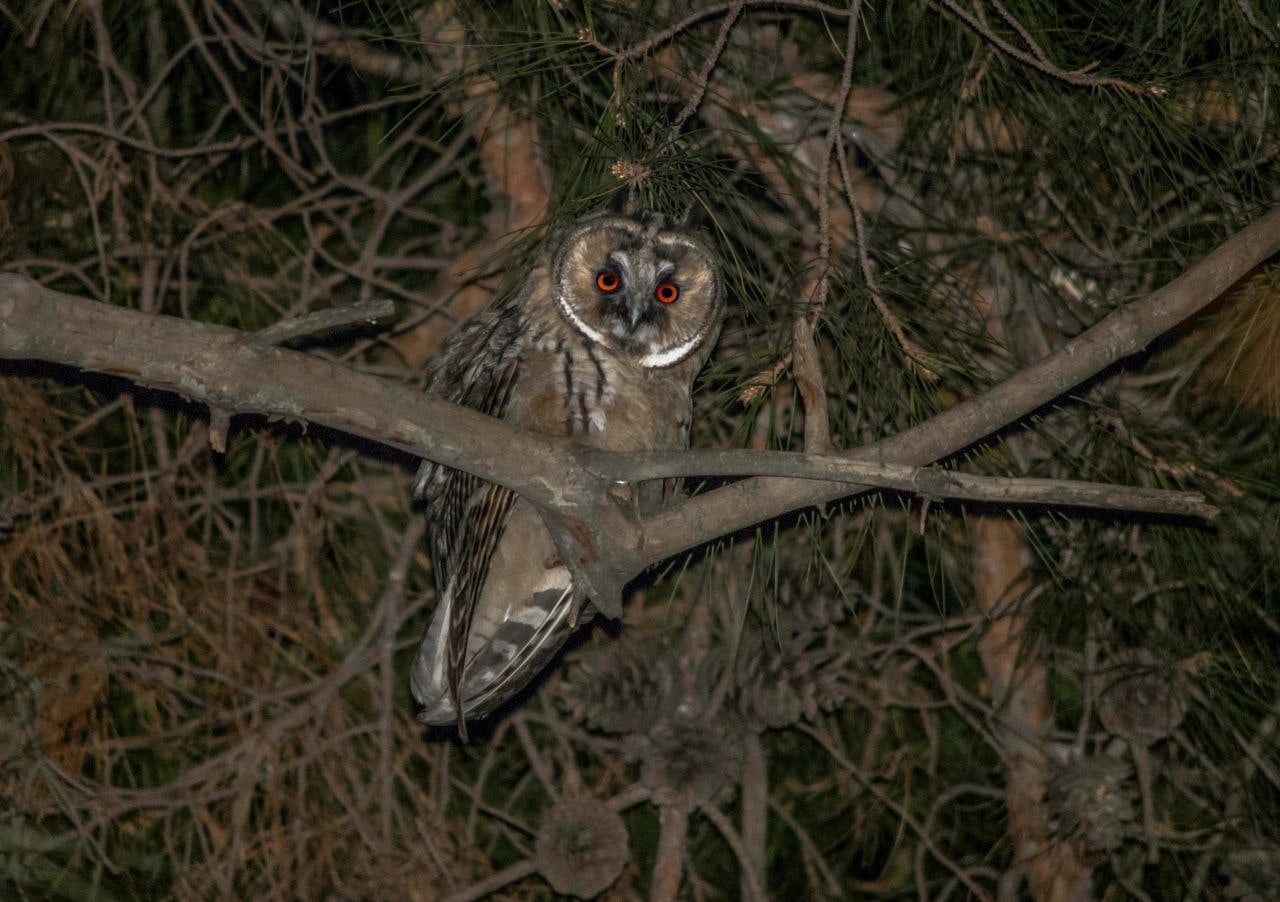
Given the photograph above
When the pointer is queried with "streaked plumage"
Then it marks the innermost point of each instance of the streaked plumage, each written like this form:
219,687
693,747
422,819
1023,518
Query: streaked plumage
601,344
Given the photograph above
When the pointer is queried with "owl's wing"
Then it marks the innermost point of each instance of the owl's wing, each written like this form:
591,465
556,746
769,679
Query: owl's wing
454,498
467,516
476,368
519,647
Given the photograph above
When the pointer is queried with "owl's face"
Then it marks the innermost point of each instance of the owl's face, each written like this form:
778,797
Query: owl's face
640,290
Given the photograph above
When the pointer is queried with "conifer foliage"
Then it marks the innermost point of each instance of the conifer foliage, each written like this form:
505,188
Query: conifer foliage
206,624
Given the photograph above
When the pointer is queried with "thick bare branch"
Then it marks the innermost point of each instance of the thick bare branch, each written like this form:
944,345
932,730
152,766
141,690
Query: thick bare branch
319,321
1123,333
232,373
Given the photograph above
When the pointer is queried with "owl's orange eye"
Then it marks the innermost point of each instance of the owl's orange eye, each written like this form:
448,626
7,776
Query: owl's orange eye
608,281
667,292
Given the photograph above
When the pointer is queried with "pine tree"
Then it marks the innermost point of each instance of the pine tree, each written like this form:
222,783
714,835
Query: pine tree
207,624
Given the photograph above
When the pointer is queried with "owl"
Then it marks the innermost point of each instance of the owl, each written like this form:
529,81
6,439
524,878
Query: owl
601,345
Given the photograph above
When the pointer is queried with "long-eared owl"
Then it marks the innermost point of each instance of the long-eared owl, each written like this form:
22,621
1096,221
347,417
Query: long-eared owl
600,344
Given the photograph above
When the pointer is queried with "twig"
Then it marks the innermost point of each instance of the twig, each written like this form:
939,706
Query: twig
812,853
806,367
667,869
1042,182
750,877
916,358
1176,470
755,810
904,816
704,75
340,44
929,482
824,168
1272,34
535,759
1021,30
664,36
1037,60
494,882
293,328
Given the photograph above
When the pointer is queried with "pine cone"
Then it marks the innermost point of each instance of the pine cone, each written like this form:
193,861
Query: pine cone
622,686
1253,874
687,758
1093,800
1144,700
581,848
798,673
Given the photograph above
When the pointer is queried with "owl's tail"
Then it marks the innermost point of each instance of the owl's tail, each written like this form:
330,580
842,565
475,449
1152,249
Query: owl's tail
499,664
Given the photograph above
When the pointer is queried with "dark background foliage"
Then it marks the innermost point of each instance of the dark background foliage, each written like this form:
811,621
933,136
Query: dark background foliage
203,656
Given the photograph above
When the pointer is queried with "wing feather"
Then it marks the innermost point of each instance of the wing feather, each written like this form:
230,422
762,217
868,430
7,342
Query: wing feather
509,672
478,369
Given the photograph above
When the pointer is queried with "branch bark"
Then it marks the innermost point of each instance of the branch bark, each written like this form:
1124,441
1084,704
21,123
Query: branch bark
234,371
602,542
1123,333
669,867
931,483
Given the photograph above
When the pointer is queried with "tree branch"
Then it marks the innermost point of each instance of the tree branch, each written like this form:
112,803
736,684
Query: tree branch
1116,337
600,541
318,321
234,371
931,483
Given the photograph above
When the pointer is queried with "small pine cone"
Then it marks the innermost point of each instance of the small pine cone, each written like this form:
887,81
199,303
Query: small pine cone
766,698
622,686
581,848
688,758
1253,875
1144,700
1094,801
809,673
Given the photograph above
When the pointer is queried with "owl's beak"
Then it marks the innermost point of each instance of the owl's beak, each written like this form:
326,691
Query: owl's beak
635,310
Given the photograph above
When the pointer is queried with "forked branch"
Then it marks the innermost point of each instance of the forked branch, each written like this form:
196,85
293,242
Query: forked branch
600,539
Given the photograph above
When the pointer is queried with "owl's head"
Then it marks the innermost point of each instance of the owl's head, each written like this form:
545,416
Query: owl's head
638,288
